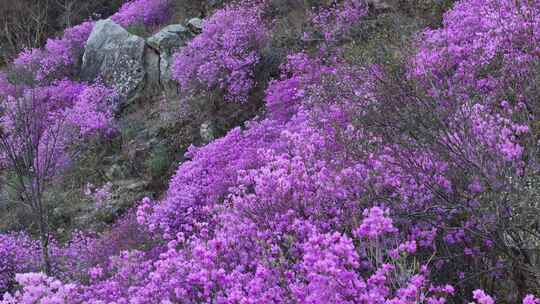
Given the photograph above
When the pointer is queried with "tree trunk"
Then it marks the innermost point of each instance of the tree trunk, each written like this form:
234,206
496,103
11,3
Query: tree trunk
44,242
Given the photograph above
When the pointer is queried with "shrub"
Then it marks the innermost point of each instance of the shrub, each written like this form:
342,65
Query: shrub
147,12
224,56
18,253
334,23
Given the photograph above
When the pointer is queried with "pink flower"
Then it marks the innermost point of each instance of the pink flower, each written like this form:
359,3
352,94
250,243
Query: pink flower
482,298
375,223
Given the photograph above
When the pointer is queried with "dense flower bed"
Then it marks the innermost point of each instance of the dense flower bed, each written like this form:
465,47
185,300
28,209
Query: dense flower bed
147,12
224,56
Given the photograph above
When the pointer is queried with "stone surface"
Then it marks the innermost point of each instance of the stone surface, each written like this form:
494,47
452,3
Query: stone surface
168,38
166,42
195,24
207,131
153,72
117,58
381,4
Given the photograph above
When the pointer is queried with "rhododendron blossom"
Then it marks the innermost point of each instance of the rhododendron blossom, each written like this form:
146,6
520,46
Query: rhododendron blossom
224,56
376,223
38,288
482,298
530,299
335,22
147,12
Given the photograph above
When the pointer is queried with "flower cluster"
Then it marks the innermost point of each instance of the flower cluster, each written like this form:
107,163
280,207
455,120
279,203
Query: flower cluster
224,56
38,288
375,224
482,298
335,22
530,299
18,254
147,12
99,194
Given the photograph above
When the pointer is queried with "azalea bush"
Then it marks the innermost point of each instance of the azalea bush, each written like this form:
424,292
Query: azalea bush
336,21
44,116
59,56
38,130
224,56
51,118
18,254
147,12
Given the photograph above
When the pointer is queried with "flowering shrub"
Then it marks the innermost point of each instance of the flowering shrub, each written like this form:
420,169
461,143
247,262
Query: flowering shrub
42,118
18,253
38,288
334,22
38,131
224,56
475,54
59,55
61,113
147,12
286,190
323,109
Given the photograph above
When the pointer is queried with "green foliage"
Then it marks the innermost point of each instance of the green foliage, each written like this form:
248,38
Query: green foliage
130,130
159,161
429,11
382,39
139,29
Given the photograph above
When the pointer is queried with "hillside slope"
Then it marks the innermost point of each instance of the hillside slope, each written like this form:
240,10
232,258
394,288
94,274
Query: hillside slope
276,152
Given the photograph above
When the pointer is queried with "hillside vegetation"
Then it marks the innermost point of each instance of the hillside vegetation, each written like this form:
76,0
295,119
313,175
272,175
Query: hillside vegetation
270,151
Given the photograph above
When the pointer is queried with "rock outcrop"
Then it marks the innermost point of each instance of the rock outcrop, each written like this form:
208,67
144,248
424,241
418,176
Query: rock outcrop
165,43
140,69
381,5
195,24
135,67
116,57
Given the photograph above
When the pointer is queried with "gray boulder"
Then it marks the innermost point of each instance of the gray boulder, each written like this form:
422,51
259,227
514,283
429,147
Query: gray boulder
166,42
169,38
381,4
207,131
117,58
195,24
